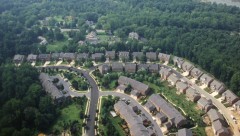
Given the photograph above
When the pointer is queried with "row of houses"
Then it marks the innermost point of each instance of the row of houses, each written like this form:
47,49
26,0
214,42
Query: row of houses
111,55
166,115
128,67
51,88
137,88
183,87
134,121
218,123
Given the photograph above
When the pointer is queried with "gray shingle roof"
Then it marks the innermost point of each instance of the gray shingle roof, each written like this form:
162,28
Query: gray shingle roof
214,115
82,56
18,57
187,66
124,55
230,96
184,132
196,73
117,66
217,86
32,57
142,66
110,54
151,55
163,57
130,67
97,56
137,55
133,120
174,115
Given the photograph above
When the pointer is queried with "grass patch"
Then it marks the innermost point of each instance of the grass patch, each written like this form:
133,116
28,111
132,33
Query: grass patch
218,96
111,125
70,116
56,46
207,89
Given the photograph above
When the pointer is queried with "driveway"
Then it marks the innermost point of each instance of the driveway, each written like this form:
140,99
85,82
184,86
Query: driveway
127,97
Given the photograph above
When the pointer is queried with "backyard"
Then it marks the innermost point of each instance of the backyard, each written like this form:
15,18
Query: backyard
71,117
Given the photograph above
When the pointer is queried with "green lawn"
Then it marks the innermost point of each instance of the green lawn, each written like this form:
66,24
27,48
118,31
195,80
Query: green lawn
56,46
114,121
103,38
69,114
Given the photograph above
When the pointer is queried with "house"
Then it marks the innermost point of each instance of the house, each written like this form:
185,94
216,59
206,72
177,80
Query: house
142,67
69,56
51,89
82,56
130,67
219,129
161,118
55,56
236,106
206,79
217,86
44,57
187,67
214,115
137,55
110,55
196,73
230,97
31,58
92,38
135,94
121,88
149,106
153,68
184,132
205,104
177,61
123,55
173,79
117,67
134,107
142,88
165,73
181,87
192,94
168,125
134,122
103,69
97,56
174,116
151,56
18,58
133,35
163,57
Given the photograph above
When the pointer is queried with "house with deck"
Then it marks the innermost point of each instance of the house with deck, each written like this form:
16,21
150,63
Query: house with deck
173,79
103,69
181,87
196,73
31,58
206,80
230,97
165,73
177,61
187,67
217,87
205,104
123,55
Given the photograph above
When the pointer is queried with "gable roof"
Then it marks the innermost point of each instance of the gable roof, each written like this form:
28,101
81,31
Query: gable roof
31,57
187,66
137,55
151,55
163,57
214,115
184,132
141,87
195,72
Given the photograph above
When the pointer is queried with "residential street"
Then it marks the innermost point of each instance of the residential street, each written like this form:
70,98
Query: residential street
226,113
127,97
93,96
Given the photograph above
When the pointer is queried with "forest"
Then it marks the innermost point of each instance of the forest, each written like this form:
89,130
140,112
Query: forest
206,34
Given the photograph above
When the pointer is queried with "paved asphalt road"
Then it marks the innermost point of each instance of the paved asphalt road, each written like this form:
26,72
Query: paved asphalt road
93,96
226,112
127,97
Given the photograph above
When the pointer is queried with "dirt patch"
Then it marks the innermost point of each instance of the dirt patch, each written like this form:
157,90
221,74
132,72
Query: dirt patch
209,131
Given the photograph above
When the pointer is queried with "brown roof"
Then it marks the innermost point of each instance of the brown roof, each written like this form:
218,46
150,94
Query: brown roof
117,66
196,73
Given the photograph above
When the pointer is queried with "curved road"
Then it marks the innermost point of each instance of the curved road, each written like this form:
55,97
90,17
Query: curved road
93,96
127,97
